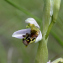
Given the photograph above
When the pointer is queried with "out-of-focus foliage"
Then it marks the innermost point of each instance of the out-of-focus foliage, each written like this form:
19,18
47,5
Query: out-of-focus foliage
12,50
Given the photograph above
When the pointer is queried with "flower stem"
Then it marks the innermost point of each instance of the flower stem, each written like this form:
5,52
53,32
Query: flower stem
49,29
42,53
56,8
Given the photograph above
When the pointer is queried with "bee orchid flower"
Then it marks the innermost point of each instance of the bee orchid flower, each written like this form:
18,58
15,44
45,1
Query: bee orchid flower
49,61
59,60
31,34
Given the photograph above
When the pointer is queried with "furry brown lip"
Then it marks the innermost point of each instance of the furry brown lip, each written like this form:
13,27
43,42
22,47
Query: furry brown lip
29,37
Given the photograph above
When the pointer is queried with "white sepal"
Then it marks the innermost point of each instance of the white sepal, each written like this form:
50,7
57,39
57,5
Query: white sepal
19,34
39,37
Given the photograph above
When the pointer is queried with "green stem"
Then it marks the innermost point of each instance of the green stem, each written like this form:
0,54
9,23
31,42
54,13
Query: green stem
56,8
46,16
42,53
23,10
49,29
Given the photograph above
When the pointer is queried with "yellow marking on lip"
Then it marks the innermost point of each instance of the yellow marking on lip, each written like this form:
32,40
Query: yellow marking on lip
31,42
27,40
31,39
34,40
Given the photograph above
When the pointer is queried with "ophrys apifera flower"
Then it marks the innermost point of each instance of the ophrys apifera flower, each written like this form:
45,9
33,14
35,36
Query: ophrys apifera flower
31,34
49,61
59,60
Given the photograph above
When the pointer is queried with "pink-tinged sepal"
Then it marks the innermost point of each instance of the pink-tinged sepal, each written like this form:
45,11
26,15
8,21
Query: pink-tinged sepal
19,34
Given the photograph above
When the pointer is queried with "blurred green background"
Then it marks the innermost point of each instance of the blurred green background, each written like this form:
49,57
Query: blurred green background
12,50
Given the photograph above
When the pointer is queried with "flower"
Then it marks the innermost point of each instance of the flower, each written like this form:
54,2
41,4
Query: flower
31,34
59,60
49,61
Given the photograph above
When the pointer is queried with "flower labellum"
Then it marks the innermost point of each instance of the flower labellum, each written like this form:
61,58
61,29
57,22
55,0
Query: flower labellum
31,34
